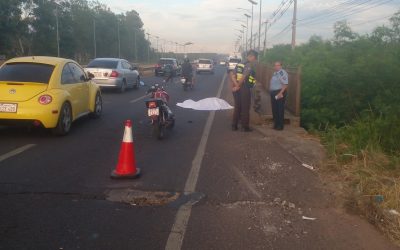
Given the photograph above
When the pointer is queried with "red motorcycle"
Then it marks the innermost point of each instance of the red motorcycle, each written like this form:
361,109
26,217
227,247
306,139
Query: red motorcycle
160,114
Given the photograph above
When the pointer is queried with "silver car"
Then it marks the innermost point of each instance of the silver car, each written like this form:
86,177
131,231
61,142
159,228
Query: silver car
233,62
205,65
113,73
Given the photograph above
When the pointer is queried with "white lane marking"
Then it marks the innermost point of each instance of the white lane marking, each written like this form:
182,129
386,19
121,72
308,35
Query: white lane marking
138,99
16,152
178,230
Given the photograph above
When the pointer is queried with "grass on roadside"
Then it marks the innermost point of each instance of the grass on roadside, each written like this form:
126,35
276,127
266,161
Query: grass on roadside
370,176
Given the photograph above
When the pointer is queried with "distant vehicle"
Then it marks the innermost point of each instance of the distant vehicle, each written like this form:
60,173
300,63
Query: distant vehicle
205,65
114,73
160,66
233,62
222,63
47,92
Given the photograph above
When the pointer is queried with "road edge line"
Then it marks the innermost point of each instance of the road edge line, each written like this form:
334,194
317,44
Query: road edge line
177,234
16,152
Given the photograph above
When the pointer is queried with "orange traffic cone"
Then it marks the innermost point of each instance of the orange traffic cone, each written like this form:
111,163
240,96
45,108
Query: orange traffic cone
126,167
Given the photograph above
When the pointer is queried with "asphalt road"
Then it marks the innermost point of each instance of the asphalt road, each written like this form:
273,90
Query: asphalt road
52,194
243,190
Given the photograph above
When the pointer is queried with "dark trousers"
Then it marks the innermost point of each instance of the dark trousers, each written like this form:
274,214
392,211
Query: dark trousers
278,109
242,99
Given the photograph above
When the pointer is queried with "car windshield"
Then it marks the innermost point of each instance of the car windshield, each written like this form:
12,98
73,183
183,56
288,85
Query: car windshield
204,62
165,61
104,64
234,60
26,72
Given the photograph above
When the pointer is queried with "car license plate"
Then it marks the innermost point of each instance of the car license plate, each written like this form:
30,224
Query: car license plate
153,112
8,107
98,74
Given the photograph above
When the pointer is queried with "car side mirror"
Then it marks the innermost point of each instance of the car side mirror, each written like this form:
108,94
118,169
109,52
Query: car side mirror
134,68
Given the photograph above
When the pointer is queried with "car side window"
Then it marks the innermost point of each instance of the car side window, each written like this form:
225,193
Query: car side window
66,76
126,65
77,72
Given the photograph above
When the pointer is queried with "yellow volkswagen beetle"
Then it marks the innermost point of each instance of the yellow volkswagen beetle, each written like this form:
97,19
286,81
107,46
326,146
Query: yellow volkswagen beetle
46,91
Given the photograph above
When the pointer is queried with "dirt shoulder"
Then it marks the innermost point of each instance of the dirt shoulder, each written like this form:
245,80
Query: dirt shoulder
275,169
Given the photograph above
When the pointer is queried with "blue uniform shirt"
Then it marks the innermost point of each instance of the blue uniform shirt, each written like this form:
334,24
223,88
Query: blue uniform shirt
278,79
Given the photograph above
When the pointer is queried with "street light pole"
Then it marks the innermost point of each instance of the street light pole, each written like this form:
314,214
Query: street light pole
134,38
259,28
57,34
247,30
94,38
252,19
244,42
148,47
119,40
265,36
157,37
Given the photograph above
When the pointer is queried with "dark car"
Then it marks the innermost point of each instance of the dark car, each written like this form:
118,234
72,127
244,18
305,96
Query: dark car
160,66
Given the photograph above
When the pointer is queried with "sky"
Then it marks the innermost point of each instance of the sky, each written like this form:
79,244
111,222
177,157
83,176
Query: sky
214,25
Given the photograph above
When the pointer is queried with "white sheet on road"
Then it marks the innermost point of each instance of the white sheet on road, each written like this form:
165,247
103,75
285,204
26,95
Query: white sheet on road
208,104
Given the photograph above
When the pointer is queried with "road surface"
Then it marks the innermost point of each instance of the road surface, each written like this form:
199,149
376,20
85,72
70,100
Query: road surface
203,186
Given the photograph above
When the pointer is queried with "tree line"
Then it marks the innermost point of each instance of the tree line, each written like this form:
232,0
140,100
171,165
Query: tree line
86,29
352,83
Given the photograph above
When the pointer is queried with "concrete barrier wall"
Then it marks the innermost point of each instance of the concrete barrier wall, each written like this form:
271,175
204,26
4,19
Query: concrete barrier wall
293,104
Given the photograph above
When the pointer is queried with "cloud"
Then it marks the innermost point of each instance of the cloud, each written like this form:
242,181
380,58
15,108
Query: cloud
209,23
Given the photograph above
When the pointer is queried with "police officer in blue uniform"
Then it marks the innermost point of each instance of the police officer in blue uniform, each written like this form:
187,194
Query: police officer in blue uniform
245,83
278,90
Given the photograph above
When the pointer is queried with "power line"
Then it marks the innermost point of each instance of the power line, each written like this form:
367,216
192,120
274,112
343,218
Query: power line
281,13
371,21
332,9
348,12
283,31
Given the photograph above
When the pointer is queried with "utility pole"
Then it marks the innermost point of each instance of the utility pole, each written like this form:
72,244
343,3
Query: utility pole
259,28
294,22
94,38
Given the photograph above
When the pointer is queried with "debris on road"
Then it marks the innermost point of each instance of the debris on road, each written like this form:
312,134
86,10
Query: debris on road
394,212
308,166
308,218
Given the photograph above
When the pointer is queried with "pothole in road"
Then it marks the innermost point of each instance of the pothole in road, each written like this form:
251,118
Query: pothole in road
141,198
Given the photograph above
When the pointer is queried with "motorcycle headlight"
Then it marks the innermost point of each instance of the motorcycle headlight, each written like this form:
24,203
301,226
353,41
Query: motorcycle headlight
183,80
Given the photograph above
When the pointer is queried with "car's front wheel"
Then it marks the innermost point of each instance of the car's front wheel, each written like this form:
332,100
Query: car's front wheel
98,107
64,120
